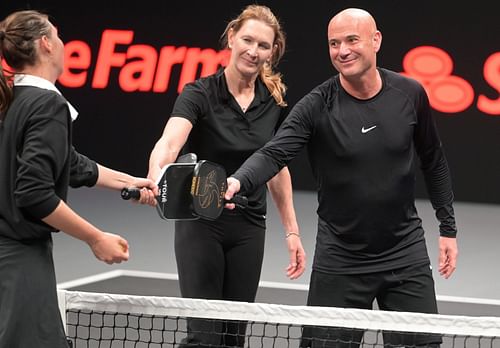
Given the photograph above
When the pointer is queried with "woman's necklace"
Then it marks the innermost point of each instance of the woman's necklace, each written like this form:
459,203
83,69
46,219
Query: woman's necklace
245,101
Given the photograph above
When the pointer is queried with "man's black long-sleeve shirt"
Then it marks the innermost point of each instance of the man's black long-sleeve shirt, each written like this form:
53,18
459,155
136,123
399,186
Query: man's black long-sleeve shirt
362,154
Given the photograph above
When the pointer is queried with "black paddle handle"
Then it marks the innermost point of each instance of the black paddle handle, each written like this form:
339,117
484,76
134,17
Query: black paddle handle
131,193
241,201
135,193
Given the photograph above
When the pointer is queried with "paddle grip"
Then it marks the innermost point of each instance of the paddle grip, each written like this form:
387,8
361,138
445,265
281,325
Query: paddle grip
131,193
241,201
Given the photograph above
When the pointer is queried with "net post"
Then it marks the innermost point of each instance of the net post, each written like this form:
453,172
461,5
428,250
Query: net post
61,299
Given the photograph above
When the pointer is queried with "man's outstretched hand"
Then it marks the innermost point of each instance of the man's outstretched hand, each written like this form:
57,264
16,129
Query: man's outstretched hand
233,187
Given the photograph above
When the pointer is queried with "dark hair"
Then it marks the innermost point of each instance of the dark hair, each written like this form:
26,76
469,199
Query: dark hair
271,78
18,33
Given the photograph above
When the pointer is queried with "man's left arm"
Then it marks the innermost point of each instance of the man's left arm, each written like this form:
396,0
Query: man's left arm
438,181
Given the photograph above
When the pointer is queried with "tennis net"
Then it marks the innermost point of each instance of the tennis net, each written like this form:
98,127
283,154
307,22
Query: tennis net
111,320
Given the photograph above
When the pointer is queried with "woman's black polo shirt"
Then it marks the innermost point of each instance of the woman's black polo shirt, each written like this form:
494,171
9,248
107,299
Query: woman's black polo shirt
223,133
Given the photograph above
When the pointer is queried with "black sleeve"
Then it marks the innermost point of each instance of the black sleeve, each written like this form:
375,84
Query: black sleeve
83,171
191,103
42,158
434,167
290,138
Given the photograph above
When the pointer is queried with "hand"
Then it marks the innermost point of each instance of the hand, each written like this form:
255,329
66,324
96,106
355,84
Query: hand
149,191
233,187
297,254
448,252
110,248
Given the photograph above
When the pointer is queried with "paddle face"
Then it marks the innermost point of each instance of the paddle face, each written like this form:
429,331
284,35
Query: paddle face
174,184
207,190
190,190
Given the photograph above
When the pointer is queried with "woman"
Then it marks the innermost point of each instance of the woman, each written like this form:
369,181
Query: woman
224,118
38,164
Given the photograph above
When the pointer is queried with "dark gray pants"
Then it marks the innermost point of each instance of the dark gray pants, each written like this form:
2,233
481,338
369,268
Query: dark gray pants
408,289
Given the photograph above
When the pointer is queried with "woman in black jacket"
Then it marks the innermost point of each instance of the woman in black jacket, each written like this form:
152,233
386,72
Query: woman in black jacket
38,163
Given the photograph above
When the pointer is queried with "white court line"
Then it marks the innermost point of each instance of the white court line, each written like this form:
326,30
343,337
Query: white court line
115,274
263,284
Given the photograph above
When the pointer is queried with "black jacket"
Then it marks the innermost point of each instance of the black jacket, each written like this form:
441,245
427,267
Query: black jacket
37,162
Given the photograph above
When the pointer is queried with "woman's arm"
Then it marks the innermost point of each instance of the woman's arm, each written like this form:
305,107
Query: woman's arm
106,247
116,180
168,146
280,187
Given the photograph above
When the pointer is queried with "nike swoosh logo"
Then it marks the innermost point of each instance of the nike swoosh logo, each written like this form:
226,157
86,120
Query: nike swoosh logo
366,130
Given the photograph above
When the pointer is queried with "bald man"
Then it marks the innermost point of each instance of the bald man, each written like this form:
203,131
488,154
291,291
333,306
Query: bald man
365,128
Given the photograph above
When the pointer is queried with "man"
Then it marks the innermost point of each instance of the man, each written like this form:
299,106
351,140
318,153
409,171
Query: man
363,128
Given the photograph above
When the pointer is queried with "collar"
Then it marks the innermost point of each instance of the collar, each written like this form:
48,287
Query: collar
36,81
261,91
